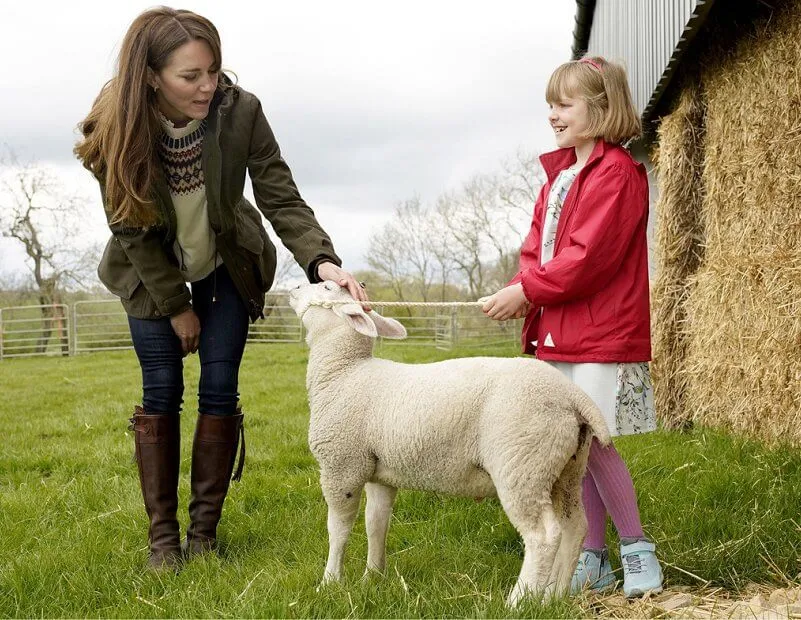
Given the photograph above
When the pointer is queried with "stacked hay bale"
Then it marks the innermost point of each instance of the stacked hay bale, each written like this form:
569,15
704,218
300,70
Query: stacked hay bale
737,317
679,239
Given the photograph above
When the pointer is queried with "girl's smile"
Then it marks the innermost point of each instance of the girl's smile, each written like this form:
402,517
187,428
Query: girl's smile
569,119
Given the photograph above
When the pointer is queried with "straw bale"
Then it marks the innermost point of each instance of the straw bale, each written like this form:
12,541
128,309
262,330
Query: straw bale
743,363
728,328
679,250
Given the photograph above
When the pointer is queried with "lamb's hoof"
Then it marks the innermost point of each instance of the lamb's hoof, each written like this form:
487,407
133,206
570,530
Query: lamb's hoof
328,579
514,598
551,593
519,594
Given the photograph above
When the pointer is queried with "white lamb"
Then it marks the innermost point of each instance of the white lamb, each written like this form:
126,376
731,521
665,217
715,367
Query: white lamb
513,428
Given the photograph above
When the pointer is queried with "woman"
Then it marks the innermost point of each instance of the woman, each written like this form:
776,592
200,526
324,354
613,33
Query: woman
170,139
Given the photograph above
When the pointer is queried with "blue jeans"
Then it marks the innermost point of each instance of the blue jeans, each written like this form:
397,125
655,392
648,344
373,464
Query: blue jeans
223,332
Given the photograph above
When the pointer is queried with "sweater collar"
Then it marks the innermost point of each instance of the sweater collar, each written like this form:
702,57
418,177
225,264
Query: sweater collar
169,128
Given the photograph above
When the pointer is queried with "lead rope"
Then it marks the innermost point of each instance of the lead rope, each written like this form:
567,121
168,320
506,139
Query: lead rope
325,303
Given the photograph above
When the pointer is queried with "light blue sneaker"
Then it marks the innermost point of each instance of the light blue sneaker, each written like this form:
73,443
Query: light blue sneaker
593,571
641,570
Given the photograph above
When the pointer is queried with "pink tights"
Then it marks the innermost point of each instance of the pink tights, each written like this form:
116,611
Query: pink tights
608,487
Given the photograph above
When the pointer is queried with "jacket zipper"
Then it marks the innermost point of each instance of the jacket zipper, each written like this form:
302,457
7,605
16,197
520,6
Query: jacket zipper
214,283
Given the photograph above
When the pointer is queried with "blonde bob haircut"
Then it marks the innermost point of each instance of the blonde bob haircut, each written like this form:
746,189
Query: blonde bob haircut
604,86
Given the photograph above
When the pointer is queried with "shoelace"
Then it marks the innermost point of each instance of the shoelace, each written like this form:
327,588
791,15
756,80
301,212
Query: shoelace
633,564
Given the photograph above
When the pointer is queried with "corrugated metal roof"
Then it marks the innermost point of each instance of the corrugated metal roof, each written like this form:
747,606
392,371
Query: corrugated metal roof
649,36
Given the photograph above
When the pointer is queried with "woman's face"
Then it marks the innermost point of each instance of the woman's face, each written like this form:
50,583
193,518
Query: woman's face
186,84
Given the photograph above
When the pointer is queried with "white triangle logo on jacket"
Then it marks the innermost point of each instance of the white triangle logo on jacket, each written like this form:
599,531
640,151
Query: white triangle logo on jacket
548,341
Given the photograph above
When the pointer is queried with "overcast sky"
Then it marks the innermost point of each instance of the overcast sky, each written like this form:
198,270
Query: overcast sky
372,102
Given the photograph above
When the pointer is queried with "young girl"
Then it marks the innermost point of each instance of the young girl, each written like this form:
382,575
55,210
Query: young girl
583,288
170,139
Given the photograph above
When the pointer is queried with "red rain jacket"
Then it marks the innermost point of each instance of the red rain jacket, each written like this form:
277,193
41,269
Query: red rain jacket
590,303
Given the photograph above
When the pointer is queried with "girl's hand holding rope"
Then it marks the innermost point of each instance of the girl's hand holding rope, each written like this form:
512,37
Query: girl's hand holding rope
508,303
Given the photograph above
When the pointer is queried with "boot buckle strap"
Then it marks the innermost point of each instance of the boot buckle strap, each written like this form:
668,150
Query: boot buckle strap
138,428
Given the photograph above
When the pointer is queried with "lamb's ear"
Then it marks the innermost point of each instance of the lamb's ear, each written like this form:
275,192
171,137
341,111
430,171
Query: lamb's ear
388,328
357,318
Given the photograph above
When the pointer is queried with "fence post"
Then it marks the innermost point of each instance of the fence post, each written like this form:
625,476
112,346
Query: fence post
74,328
1,334
454,328
63,313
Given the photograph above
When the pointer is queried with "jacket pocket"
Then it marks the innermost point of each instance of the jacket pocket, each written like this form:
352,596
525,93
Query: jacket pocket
564,328
252,236
116,272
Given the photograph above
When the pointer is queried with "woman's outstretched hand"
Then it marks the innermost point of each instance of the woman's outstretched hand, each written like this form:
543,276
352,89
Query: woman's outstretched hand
508,303
329,271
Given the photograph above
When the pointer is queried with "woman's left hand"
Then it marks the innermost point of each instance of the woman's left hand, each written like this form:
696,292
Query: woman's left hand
329,271
508,303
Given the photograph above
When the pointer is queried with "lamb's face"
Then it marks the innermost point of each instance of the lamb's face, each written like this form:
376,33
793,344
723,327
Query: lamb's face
306,296
303,296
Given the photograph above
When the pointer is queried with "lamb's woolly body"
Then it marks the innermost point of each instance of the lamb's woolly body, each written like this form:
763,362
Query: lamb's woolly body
477,427
438,427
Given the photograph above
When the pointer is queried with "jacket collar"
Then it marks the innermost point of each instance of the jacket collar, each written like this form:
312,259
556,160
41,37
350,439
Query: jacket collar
222,99
555,161
221,104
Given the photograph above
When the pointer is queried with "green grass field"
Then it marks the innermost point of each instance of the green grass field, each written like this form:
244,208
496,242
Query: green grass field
73,528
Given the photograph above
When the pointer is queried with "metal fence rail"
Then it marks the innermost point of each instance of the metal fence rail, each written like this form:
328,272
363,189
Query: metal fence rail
280,324
91,326
27,331
99,326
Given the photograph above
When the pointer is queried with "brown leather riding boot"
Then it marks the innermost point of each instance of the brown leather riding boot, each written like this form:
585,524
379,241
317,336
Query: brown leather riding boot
157,439
213,456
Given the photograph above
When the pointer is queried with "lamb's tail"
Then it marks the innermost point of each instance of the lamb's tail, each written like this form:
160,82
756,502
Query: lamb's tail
590,414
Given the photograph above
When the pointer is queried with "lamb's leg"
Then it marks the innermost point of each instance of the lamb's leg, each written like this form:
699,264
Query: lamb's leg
343,506
541,537
569,510
377,515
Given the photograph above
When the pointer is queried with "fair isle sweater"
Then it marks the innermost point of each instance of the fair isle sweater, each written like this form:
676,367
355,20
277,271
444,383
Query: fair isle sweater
180,150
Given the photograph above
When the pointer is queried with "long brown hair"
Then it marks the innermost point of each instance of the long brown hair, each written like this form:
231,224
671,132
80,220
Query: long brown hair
121,130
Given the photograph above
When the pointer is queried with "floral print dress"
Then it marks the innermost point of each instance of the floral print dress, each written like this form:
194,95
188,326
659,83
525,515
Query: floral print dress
623,392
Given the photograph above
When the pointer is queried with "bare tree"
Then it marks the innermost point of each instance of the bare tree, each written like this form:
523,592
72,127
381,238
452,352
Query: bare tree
385,255
416,244
471,236
444,265
522,178
403,251
482,238
36,212
489,219
464,239
520,182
